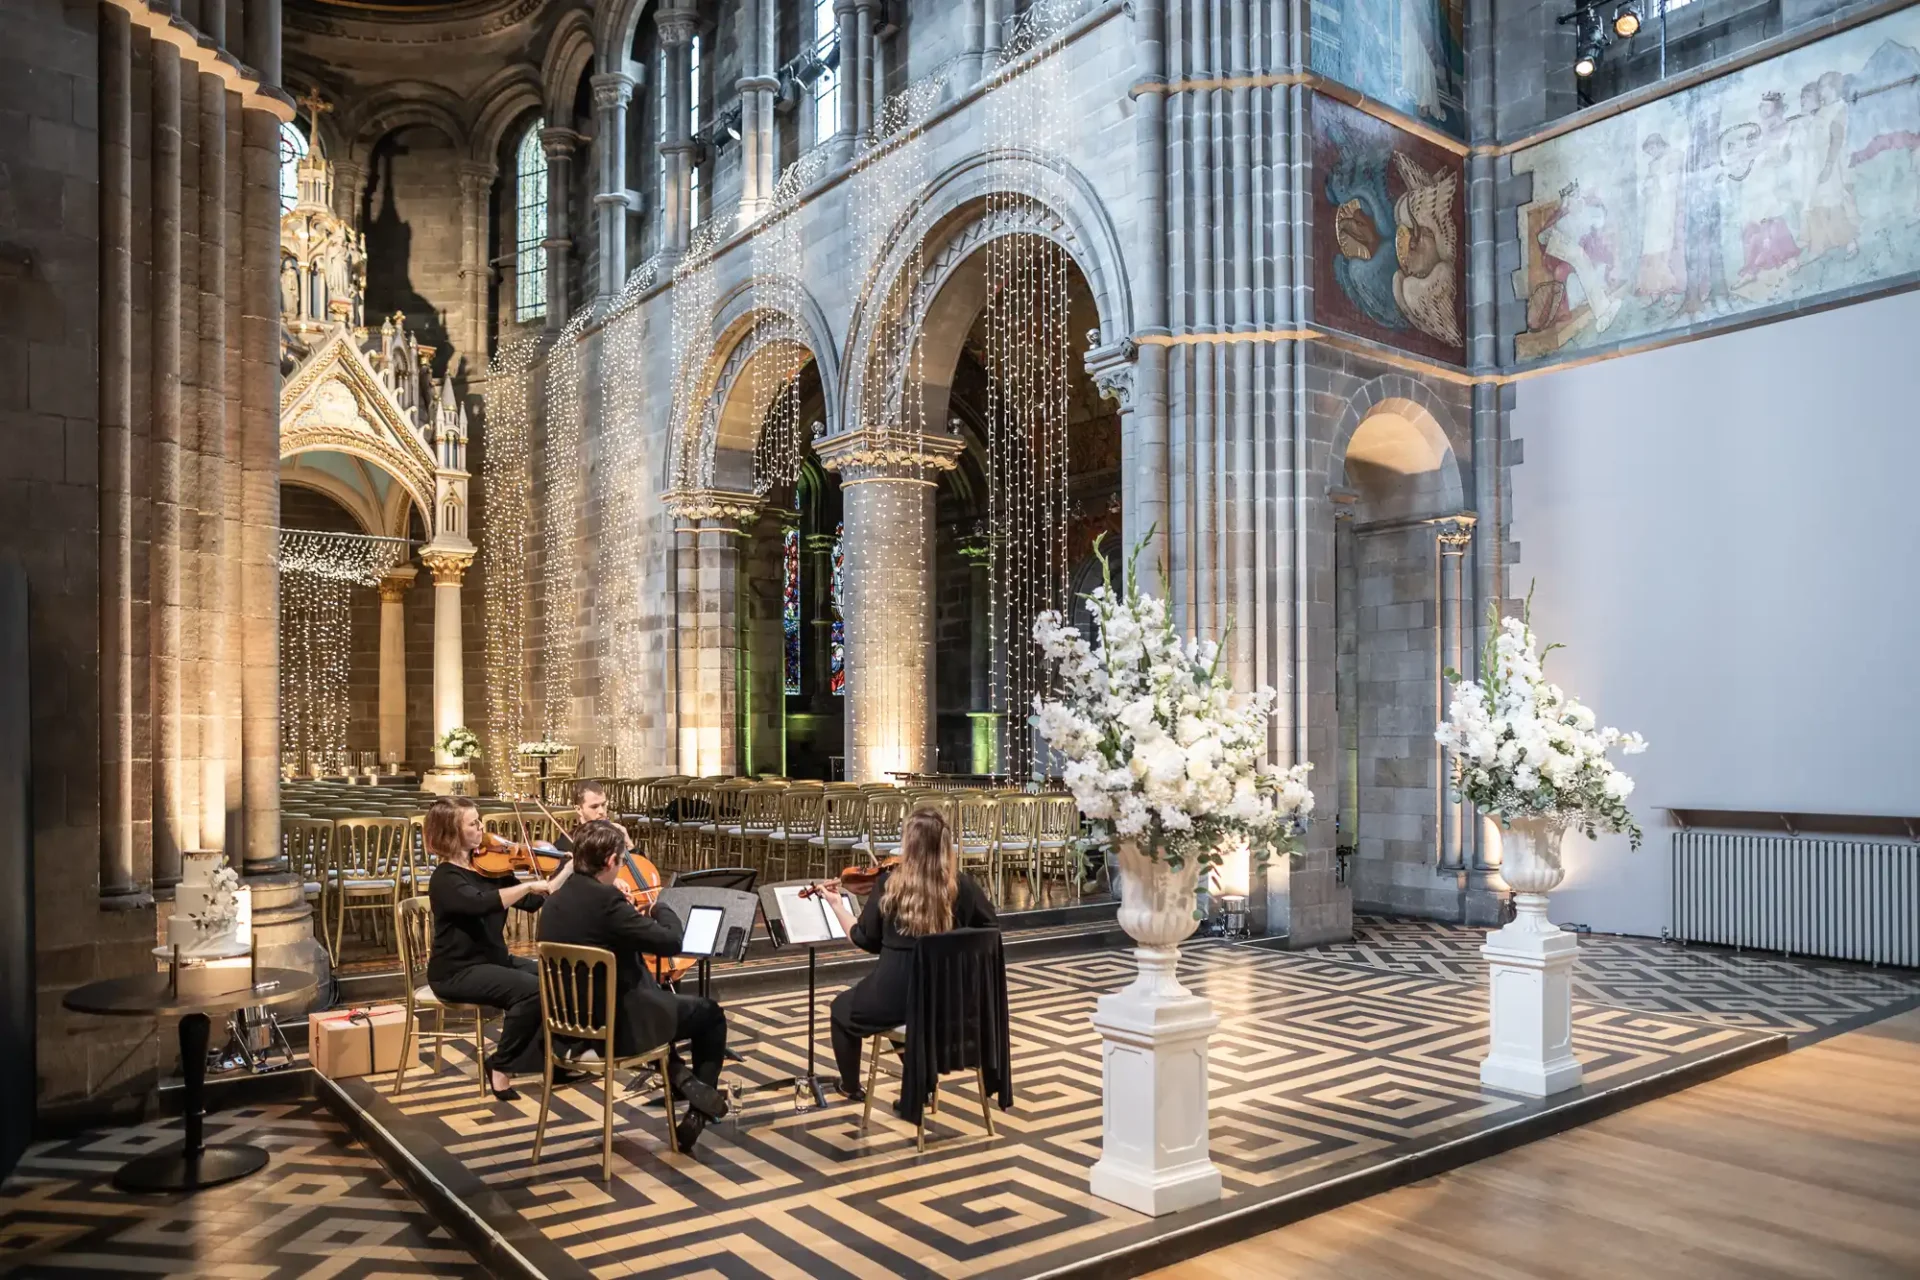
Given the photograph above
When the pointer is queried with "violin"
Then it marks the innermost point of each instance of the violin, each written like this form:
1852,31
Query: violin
637,877
857,880
499,856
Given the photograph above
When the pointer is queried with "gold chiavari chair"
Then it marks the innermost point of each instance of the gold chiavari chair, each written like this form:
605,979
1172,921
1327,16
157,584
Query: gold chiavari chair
886,814
413,927
369,860
1019,829
746,844
800,809
1058,827
577,991
843,817
693,804
976,835
723,817
309,847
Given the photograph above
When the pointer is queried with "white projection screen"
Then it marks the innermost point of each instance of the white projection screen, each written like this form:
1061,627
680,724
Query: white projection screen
1726,534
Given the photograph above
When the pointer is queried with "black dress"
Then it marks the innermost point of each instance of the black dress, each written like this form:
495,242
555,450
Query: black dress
471,963
878,1002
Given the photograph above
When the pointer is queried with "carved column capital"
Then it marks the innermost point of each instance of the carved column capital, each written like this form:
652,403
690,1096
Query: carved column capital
1111,368
1455,533
395,585
559,142
677,26
859,456
611,89
713,504
447,565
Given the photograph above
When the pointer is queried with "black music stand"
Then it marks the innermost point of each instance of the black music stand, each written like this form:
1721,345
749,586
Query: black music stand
802,929
738,907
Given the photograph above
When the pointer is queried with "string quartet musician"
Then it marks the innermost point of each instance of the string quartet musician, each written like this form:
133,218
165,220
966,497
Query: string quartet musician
927,893
470,962
589,805
591,910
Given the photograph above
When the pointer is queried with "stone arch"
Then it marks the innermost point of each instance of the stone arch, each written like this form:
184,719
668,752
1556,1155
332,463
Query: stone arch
507,99
716,430
402,103
1396,424
569,54
615,24
941,230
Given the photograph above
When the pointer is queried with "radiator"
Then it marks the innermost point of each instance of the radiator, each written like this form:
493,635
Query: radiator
1843,899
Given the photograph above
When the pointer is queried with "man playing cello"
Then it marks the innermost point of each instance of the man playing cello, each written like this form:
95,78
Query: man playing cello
591,910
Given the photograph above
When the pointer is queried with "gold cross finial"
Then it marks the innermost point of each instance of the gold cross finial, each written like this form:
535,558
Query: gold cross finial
315,105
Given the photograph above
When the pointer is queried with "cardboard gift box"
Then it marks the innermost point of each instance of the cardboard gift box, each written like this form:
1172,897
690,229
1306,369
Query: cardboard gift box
356,1042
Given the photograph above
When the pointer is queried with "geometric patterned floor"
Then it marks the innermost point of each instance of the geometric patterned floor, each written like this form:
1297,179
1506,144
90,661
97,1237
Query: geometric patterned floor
323,1206
1317,1066
1326,1063
1806,999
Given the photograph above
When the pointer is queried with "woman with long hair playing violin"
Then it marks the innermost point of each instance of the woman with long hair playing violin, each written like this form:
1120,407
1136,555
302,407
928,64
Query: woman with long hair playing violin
470,962
927,893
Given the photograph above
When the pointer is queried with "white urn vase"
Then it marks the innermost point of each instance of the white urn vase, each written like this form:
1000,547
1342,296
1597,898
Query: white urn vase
1153,1153
1530,966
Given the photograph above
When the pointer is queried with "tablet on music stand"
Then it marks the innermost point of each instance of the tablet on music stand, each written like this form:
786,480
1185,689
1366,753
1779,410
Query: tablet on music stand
702,933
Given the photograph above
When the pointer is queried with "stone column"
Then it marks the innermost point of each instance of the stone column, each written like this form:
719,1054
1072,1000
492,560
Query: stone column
476,184
119,885
1451,539
757,120
219,644
992,37
888,484
259,496
847,26
559,144
393,664
612,92
163,460
677,27
1146,497
978,551
448,567
865,104
710,527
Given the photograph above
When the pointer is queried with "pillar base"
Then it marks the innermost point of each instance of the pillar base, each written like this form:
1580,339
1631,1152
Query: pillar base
1153,1151
444,781
1530,1002
282,924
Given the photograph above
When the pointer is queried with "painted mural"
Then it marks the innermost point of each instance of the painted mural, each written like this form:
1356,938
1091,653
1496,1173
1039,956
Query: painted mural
1785,182
1388,219
1406,54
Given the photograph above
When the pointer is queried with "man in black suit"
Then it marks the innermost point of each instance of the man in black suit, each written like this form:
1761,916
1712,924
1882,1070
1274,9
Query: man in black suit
590,910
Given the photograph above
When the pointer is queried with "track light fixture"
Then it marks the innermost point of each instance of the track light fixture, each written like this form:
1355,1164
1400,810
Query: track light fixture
1626,21
1592,35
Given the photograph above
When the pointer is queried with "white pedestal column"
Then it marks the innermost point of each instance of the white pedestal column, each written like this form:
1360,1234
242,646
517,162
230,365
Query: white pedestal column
1153,1140
393,665
448,776
1530,1001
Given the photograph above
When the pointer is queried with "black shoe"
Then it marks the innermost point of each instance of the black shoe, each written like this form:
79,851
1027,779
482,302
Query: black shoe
851,1092
508,1094
688,1131
565,1075
701,1096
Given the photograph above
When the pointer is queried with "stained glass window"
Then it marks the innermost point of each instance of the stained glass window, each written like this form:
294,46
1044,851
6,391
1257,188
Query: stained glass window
838,665
790,609
530,229
293,149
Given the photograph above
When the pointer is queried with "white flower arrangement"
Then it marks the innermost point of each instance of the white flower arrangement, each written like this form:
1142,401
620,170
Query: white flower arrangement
1158,748
223,903
460,743
1522,748
545,747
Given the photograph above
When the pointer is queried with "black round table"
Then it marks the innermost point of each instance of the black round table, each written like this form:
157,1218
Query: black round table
191,995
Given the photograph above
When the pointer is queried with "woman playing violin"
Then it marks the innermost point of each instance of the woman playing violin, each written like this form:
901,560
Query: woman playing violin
470,962
926,893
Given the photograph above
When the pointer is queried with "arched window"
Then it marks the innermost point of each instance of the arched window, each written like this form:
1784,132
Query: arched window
293,149
530,226
693,128
826,89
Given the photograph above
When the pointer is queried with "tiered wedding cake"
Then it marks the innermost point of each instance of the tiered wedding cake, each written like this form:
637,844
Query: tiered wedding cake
210,910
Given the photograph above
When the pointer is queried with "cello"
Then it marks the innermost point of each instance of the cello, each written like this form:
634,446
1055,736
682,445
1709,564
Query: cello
637,877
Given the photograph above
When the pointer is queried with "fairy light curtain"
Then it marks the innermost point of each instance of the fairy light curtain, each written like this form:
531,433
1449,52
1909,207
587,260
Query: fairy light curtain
559,544
621,550
1028,355
505,478
318,572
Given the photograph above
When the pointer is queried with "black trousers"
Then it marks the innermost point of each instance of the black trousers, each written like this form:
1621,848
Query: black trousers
703,1022
856,1016
515,990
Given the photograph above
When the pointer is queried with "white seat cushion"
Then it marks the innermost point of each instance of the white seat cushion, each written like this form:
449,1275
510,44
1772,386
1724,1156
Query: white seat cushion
423,996
368,886
834,842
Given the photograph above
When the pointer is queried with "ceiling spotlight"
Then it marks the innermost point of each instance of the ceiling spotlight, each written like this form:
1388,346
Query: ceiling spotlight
1589,59
733,132
1626,21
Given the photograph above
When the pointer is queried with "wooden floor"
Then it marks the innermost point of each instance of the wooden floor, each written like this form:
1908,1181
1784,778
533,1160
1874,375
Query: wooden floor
1805,1165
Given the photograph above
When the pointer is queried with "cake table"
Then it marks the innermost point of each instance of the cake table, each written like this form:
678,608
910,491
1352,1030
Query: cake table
191,995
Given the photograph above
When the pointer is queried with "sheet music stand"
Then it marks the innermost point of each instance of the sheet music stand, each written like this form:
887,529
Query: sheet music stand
779,933
736,926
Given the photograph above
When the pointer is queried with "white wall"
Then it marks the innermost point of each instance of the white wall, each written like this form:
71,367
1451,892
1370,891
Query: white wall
1727,535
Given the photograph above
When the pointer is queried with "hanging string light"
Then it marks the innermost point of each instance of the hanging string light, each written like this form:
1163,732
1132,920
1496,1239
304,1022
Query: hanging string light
318,572
559,527
1028,359
505,479
626,501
